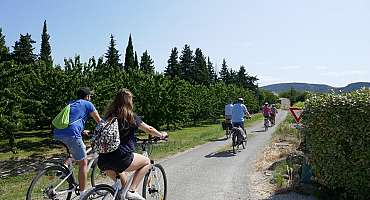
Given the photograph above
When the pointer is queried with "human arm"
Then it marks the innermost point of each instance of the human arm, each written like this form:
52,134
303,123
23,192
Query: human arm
151,130
95,115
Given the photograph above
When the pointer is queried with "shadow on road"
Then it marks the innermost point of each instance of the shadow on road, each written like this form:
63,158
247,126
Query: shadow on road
259,131
222,154
219,139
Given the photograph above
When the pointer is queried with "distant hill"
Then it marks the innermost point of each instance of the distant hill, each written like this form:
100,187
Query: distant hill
282,87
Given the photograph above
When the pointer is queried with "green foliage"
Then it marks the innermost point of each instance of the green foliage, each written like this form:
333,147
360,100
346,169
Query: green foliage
337,130
294,95
112,54
45,50
129,56
173,68
186,63
23,50
146,63
4,50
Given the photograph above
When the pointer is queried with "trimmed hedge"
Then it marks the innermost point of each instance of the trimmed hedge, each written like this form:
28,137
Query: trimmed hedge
337,129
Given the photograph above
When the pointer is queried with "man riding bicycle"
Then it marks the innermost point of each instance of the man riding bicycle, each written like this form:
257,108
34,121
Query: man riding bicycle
239,111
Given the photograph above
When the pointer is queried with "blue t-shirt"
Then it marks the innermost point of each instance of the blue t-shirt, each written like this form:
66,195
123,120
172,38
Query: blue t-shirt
80,112
238,112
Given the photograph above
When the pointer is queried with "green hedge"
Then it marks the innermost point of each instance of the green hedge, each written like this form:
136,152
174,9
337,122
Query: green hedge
337,129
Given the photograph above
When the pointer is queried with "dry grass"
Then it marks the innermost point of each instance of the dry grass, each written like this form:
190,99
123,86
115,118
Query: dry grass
285,140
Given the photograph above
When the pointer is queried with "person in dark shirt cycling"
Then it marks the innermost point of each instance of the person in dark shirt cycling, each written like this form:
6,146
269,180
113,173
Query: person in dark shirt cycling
124,159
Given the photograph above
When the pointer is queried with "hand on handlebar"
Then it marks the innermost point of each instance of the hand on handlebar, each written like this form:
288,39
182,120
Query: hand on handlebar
164,135
86,132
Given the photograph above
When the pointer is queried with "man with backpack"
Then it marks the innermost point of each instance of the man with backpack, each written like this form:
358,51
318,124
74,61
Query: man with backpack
78,112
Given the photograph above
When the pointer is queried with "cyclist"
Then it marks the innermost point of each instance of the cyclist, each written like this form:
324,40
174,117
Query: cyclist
71,136
273,114
228,110
266,111
238,113
124,159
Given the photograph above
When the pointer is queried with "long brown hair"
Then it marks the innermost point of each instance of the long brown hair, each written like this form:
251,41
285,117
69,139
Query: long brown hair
122,107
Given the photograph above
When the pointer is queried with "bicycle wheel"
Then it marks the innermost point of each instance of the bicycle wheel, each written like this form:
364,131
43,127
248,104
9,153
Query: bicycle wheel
234,142
102,191
97,176
49,183
155,183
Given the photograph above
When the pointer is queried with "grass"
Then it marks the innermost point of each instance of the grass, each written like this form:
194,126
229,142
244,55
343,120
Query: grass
285,134
37,144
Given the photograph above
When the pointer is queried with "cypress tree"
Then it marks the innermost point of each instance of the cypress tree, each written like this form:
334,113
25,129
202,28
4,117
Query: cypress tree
129,56
199,72
4,50
23,50
136,61
186,63
146,63
173,68
224,73
212,76
112,55
45,50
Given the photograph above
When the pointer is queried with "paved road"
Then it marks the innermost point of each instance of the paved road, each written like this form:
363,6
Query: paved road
212,172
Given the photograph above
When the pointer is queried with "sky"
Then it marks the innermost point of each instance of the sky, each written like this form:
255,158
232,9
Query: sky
311,41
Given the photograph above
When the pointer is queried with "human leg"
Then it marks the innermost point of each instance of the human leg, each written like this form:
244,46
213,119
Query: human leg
140,165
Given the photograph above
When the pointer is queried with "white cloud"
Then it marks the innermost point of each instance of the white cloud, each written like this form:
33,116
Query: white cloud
290,67
345,73
320,67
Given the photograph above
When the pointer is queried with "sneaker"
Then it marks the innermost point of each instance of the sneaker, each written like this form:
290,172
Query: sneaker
82,194
134,196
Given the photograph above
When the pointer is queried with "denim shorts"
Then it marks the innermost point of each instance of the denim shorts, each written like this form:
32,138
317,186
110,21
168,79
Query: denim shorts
75,145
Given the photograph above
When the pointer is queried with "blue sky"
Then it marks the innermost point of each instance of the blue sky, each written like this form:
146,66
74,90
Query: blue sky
314,41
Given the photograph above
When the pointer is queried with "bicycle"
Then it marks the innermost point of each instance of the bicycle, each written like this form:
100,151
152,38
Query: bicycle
154,184
266,122
56,180
227,126
239,137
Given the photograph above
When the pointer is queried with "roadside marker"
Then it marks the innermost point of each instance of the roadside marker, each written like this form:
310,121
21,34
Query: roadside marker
297,114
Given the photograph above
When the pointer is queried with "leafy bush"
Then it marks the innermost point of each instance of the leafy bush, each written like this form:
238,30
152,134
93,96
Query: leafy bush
337,130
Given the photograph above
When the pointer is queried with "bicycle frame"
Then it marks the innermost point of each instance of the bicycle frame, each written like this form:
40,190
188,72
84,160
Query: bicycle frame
91,158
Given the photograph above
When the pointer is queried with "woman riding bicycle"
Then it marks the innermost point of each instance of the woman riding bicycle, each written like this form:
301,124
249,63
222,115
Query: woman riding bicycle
124,158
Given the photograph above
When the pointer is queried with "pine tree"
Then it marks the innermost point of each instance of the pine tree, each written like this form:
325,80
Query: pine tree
23,50
129,56
136,62
212,77
45,50
199,72
173,68
112,55
224,73
146,63
186,62
4,50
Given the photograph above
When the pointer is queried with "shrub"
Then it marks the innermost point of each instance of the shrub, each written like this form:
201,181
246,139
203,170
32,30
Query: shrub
337,130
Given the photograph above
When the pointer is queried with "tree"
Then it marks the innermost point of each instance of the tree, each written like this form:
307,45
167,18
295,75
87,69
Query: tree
199,71
186,63
23,50
112,55
136,62
146,63
4,50
45,50
173,68
224,73
129,56
212,76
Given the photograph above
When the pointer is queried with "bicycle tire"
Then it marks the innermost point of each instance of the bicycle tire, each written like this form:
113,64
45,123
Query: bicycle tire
234,142
101,191
155,193
51,172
